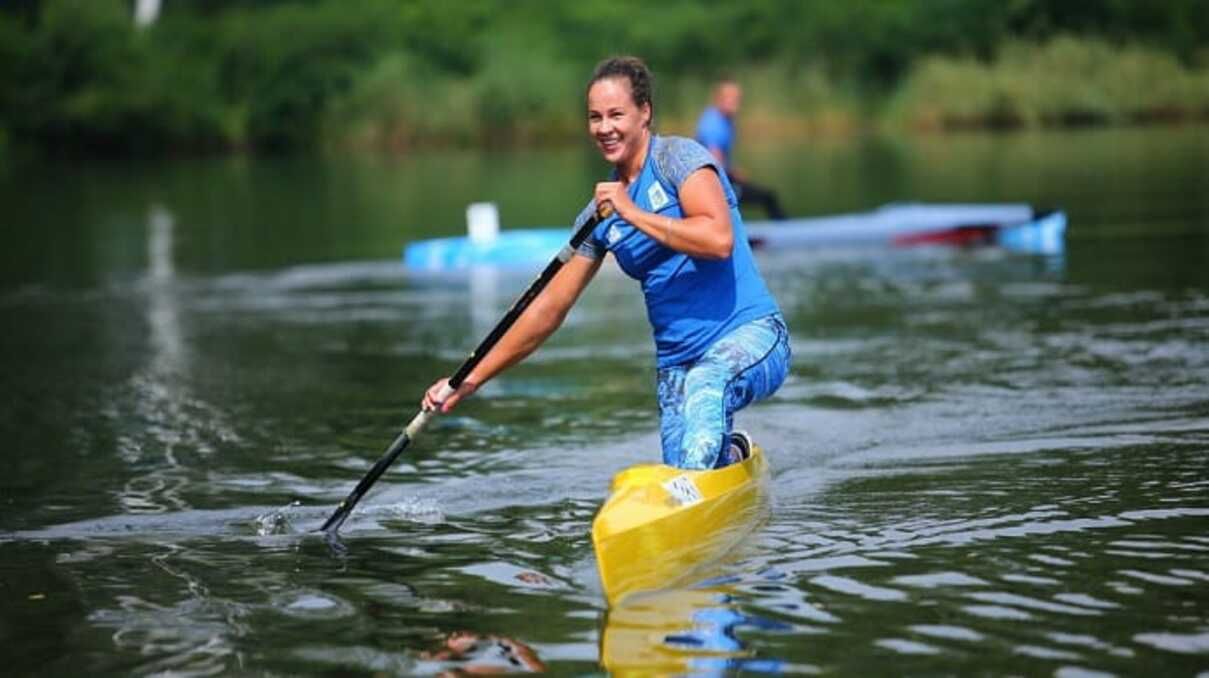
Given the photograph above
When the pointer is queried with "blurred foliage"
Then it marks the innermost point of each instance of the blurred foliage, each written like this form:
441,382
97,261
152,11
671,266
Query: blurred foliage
77,74
1063,82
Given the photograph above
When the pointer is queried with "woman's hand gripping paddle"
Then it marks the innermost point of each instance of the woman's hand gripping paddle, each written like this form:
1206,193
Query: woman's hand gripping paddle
332,525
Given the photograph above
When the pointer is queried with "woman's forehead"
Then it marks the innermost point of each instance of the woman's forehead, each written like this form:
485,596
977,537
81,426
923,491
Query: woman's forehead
610,91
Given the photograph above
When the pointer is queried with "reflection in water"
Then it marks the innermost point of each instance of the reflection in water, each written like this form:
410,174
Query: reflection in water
194,636
683,631
467,652
484,293
160,399
170,420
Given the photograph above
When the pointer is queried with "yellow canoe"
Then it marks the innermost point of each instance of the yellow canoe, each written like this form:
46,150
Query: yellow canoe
661,523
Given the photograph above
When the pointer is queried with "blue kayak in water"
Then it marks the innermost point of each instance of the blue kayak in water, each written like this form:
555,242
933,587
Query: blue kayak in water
1015,227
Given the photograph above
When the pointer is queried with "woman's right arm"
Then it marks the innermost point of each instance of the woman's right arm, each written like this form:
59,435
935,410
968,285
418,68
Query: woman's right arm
533,327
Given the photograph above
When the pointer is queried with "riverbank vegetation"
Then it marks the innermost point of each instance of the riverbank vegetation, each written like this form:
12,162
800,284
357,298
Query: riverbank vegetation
1065,81
228,74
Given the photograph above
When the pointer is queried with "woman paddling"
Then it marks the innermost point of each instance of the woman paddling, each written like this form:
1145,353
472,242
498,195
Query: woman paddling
720,340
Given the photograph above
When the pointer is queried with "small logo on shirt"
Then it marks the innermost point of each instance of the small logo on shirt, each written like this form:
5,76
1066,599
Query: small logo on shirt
656,196
613,234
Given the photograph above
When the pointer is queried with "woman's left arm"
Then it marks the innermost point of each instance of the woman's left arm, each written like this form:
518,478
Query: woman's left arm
704,231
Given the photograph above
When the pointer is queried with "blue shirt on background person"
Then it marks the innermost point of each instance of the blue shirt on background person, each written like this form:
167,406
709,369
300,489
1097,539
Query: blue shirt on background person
716,132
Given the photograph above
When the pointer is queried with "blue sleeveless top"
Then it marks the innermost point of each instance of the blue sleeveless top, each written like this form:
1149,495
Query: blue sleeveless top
691,302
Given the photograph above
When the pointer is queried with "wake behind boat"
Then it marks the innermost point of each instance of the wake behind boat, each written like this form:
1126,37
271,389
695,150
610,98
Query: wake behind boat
1016,227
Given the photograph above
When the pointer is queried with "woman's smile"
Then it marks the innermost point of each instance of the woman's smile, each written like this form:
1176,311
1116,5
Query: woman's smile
618,125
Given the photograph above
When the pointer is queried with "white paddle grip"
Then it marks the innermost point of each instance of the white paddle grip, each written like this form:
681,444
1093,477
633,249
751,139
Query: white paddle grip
421,420
418,422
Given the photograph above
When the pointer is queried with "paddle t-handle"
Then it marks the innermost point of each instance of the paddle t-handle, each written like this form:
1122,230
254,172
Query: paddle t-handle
418,422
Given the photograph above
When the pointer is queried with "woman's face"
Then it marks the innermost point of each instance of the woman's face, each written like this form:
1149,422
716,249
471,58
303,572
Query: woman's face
616,123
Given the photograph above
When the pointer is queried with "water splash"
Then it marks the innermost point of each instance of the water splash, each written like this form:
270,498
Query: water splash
276,521
417,510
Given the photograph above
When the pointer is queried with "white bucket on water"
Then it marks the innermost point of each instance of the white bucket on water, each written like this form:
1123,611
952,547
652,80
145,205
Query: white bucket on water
482,222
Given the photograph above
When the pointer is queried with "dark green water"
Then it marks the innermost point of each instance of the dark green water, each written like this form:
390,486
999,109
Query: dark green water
983,463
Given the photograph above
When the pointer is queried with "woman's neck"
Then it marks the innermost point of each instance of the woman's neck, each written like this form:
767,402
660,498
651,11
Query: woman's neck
629,168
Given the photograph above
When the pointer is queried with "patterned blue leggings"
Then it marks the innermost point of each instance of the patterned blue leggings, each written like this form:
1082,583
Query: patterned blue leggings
697,401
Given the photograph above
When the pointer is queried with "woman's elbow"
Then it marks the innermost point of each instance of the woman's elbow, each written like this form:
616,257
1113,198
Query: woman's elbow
547,319
723,245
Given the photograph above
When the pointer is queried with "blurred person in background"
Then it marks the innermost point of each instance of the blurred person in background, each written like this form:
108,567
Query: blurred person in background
716,132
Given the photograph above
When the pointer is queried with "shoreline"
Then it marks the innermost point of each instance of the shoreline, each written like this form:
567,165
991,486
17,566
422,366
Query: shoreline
755,128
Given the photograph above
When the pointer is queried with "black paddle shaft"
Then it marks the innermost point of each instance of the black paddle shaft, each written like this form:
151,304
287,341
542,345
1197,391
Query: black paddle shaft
401,442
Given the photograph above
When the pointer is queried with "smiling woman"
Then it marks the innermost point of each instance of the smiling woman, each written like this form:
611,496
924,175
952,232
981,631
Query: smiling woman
675,228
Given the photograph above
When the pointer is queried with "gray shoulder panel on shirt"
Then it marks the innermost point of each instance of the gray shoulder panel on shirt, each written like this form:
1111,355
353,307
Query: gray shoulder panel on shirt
675,159
678,157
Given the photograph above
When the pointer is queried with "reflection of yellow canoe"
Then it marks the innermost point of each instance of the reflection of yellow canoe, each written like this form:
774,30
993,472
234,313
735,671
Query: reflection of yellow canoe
661,523
668,632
